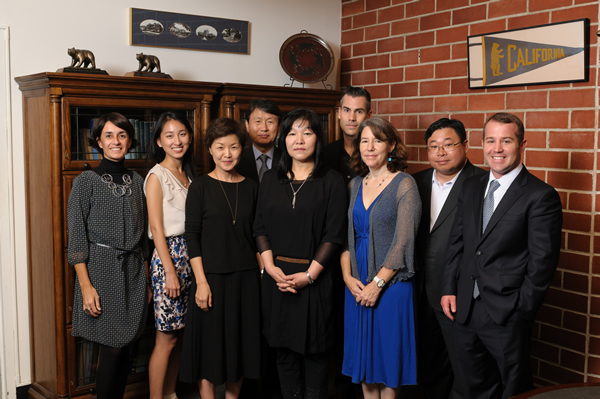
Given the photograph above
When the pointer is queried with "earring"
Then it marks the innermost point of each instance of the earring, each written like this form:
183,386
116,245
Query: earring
390,156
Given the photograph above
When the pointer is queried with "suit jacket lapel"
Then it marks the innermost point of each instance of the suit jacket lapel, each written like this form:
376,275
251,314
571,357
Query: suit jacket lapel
450,203
512,194
478,202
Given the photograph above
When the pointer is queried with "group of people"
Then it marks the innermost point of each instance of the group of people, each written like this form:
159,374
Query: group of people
290,250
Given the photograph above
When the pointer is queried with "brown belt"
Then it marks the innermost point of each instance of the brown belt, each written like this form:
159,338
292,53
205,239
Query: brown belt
293,260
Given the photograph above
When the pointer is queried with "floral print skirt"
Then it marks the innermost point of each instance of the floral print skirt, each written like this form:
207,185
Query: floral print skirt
169,313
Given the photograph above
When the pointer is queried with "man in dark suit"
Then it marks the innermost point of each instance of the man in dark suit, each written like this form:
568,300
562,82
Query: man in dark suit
439,186
355,107
261,155
502,256
262,125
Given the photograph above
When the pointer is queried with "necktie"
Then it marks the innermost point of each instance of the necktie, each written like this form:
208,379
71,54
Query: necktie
263,168
488,210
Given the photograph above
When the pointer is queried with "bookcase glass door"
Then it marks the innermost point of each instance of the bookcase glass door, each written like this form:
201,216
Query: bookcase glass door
143,121
87,356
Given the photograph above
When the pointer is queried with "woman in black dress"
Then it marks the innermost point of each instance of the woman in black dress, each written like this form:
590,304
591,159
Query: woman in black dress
300,227
108,245
221,341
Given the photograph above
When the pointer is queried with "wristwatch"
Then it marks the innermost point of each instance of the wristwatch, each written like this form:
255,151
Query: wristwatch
379,281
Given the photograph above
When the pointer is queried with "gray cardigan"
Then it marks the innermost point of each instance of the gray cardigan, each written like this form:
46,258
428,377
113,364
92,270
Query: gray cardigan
393,225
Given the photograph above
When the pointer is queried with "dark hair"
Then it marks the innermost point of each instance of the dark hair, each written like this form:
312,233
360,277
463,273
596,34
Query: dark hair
116,119
285,161
264,105
157,154
223,127
444,123
384,131
354,91
504,117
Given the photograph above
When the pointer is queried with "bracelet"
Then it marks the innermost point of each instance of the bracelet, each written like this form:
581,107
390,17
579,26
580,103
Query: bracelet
310,280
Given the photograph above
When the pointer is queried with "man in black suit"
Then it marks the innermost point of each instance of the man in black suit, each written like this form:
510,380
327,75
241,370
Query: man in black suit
502,256
439,186
355,107
262,125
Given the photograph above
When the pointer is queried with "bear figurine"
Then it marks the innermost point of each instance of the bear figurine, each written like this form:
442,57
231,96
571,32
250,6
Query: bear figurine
81,58
147,62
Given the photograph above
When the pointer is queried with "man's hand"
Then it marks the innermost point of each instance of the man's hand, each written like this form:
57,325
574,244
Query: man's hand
449,305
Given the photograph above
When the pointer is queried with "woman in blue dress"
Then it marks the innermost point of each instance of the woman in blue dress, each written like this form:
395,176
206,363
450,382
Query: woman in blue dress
378,267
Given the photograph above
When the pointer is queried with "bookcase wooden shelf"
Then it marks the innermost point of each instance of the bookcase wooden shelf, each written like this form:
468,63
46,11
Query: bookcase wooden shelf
58,111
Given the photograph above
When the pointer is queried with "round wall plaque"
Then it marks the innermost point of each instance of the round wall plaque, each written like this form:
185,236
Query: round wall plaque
306,58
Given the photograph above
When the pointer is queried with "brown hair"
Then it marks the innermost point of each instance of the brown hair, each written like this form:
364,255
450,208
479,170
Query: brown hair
223,127
504,117
384,131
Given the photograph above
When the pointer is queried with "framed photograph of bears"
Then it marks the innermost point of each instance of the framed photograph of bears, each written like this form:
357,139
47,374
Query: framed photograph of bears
188,32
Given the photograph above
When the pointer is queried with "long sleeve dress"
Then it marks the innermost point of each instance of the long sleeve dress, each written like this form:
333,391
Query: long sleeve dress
380,341
316,227
107,232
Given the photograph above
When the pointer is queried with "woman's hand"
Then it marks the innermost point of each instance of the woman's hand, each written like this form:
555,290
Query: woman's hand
172,289
296,282
91,301
369,295
355,286
280,277
203,296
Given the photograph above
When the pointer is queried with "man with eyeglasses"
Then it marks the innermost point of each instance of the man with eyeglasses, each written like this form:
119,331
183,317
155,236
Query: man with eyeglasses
447,147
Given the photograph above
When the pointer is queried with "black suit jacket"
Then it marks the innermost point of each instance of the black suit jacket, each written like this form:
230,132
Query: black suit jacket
432,245
515,259
247,165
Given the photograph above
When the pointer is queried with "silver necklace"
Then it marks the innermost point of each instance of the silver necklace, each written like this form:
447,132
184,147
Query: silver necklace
380,183
233,216
118,190
295,192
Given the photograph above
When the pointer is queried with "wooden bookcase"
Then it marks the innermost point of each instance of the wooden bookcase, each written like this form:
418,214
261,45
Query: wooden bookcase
57,108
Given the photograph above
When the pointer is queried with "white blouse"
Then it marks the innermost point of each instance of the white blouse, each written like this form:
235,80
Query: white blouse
174,196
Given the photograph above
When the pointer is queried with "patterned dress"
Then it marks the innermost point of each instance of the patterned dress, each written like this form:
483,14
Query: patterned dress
169,313
107,232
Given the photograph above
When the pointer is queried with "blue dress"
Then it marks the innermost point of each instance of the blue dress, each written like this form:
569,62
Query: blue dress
379,342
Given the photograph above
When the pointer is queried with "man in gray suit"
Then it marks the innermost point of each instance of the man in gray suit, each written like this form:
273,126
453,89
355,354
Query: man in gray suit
439,186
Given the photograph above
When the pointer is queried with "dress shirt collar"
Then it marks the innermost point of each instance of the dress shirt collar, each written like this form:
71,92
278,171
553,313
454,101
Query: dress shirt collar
506,180
257,152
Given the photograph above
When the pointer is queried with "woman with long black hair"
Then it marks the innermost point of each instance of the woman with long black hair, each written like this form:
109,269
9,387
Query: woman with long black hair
166,188
300,226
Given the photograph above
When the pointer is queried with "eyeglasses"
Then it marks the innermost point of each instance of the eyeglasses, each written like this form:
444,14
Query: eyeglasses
432,149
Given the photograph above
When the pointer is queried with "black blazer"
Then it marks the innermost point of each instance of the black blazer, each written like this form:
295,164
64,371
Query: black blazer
431,246
515,259
247,165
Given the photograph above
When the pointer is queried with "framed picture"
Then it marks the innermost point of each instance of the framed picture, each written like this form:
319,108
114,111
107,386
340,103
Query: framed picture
188,32
554,53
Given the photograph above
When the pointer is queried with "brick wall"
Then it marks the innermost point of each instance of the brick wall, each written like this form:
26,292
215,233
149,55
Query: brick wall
412,57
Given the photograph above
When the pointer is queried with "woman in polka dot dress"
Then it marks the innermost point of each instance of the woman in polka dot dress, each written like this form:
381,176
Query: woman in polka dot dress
108,244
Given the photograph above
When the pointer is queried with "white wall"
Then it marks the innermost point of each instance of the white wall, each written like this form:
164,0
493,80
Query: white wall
40,33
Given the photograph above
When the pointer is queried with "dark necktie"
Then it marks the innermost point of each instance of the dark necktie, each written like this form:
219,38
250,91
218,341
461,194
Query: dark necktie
263,168
488,211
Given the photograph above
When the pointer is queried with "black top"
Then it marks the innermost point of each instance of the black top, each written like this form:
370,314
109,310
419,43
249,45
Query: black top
318,218
209,229
338,159
115,169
